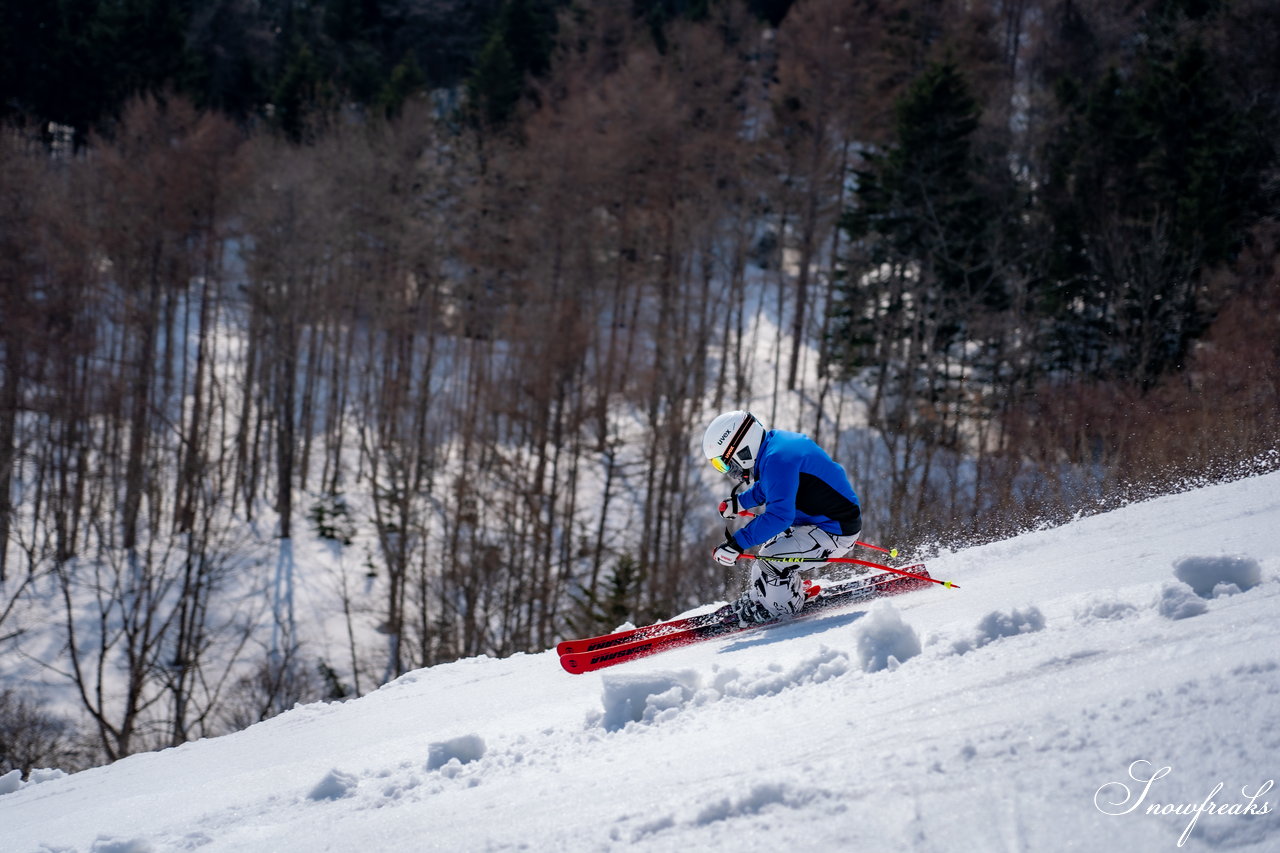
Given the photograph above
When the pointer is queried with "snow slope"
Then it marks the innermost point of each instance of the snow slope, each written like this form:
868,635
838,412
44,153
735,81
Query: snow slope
1024,711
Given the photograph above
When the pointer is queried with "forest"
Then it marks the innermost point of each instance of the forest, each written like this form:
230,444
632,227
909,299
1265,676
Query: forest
453,288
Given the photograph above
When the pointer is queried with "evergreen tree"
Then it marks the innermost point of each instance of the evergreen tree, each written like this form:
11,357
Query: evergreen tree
526,27
355,40
518,46
657,14
298,94
923,223
227,71
26,44
599,613
494,87
406,78
1153,177
772,11
144,45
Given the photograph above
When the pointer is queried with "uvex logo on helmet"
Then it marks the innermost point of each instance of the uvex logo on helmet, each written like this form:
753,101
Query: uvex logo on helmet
732,443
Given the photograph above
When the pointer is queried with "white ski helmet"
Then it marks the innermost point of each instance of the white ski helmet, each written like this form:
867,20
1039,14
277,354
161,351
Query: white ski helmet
732,443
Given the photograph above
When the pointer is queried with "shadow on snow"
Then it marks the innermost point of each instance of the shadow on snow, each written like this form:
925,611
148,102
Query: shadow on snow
802,627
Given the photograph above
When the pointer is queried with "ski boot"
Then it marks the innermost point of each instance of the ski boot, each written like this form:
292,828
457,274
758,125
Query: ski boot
749,611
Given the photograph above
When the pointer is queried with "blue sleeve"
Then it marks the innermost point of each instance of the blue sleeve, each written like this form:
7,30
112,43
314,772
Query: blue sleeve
778,492
751,497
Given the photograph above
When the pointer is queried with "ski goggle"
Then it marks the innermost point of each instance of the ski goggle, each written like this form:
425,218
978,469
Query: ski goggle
721,465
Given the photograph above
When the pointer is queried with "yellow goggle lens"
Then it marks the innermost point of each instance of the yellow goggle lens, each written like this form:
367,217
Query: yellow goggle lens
720,465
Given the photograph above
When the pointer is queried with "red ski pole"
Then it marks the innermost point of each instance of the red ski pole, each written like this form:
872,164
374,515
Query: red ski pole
892,552
856,562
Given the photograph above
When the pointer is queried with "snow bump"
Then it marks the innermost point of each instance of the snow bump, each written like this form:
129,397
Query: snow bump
109,844
1104,610
760,797
12,781
334,786
654,697
883,640
821,666
645,697
997,625
1179,601
463,749
1211,577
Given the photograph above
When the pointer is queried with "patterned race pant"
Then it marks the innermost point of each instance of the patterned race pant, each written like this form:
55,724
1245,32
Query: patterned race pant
776,585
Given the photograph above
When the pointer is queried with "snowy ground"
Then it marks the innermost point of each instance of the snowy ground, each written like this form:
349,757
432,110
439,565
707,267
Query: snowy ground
1071,667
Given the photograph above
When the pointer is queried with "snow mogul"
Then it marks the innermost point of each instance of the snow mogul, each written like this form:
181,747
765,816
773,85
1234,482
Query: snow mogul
810,509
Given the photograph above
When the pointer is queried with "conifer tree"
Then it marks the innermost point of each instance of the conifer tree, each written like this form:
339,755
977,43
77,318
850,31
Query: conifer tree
494,88
1153,177
298,93
518,47
922,227
406,78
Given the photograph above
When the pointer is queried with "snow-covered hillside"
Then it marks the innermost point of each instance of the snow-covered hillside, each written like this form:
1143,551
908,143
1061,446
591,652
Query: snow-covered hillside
1070,668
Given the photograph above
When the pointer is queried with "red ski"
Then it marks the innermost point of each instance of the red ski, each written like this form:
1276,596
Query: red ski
625,651
592,653
592,644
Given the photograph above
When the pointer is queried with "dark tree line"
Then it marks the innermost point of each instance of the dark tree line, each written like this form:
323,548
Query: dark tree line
77,61
448,369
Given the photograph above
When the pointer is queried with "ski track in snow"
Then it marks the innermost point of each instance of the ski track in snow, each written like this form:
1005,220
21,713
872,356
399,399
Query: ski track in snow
993,717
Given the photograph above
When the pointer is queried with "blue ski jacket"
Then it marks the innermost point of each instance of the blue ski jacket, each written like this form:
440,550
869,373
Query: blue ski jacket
797,483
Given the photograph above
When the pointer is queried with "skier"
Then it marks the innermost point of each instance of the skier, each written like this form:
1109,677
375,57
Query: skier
810,509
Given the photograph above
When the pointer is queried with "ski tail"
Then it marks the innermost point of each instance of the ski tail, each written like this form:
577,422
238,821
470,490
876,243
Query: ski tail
604,641
599,658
